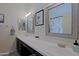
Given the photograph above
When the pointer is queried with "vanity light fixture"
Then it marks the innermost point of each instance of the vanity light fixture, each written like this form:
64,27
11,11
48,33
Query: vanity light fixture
28,14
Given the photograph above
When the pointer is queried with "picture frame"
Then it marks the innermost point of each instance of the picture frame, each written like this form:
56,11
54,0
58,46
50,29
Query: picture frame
39,18
1,18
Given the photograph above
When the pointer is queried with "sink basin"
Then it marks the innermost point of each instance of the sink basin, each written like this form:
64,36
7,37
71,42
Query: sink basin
61,45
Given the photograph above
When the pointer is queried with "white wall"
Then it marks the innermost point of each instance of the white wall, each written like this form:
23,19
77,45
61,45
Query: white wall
12,12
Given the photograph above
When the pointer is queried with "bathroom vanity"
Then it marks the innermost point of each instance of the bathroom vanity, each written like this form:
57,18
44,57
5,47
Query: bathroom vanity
25,50
29,45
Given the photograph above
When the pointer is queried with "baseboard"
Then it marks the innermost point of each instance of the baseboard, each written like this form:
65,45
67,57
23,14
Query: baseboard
7,53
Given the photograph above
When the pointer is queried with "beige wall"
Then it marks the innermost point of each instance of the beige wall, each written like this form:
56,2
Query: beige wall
12,12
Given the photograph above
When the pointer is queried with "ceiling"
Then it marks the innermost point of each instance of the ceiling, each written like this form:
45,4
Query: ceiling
32,7
23,8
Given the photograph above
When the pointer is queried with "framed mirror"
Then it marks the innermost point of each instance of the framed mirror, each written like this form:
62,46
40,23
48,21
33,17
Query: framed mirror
61,20
21,25
30,24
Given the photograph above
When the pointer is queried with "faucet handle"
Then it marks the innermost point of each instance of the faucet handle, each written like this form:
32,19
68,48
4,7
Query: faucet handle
36,36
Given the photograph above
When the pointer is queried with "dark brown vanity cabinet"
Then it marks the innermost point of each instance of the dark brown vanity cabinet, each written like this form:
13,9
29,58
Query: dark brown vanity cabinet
25,50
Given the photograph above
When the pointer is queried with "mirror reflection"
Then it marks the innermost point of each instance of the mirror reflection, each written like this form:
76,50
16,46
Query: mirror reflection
60,19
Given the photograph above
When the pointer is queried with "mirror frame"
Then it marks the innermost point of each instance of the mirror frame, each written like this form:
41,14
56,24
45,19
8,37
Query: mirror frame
74,22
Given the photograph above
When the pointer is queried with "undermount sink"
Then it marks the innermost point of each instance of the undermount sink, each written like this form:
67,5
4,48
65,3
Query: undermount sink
61,45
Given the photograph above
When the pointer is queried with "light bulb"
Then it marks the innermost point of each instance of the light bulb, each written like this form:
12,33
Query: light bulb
28,14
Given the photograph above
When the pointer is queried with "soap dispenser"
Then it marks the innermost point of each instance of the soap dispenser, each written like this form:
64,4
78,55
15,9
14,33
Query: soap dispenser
76,43
76,46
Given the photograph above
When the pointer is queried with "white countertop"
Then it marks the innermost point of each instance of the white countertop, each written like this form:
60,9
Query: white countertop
47,48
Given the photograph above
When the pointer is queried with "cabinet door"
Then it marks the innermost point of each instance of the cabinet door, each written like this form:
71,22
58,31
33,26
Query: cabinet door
18,46
23,49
